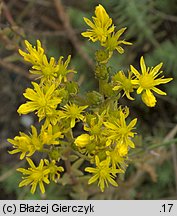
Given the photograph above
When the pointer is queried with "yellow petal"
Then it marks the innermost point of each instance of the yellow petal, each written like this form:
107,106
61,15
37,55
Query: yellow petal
89,23
33,188
120,49
30,162
93,179
114,183
137,74
41,186
156,69
73,122
90,169
26,108
120,32
162,81
143,66
158,91
101,14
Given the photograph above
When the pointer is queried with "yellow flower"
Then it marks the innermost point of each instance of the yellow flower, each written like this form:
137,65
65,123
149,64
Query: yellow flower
35,175
35,55
25,144
147,81
72,112
120,132
43,102
51,118
49,136
101,26
113,43
103,173
63,68
22,144
54,170
94,125
46,69
82,140
123,83
118,156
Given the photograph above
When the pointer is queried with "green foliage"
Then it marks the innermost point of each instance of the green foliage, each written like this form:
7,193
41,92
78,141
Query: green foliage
136,16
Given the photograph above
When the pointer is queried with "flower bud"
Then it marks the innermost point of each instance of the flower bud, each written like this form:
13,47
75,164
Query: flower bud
102,155
94,98
102,56
91,147
108,90
55,154
148,99
72,88
101,72
82,140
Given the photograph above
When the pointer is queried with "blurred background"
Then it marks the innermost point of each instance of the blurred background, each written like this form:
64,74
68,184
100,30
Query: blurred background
152,28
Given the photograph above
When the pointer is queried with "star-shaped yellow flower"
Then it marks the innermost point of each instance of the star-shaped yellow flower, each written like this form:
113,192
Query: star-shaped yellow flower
72,112
44,103
101,26
119,131
121,82
35,175
147,82
113,43
103,173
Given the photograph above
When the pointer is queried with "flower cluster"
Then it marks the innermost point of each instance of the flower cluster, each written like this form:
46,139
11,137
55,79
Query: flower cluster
107,134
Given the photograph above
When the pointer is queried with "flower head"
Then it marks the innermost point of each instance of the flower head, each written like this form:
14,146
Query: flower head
101,26
54,170
43,102
121,132
49,136
46,70
72,112
35,175
25,144
118,155
95,126
35,55
63,68
113,43
121,82
22,144
147,82
103,173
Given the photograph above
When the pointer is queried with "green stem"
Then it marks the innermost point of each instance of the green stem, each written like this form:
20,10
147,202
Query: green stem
101,86
81,155
69,136
153,146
